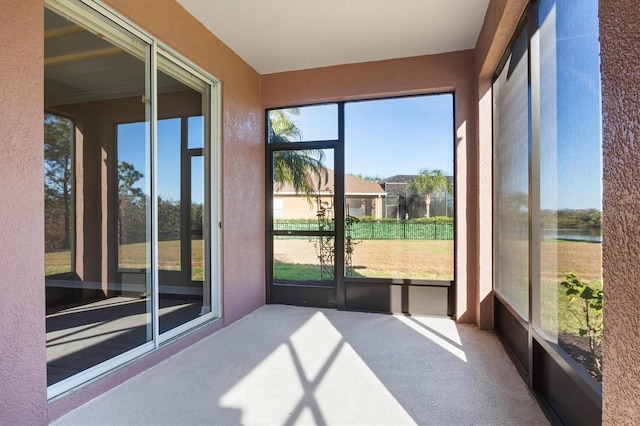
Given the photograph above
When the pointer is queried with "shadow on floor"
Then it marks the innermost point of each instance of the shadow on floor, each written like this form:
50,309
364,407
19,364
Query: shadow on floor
293,365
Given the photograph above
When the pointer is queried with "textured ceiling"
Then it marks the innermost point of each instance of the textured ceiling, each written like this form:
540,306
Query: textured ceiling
284,35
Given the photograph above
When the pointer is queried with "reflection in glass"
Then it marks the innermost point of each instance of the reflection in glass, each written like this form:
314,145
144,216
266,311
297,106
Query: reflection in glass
132,203
511,179
399,188
184,289
58,194
100,307
304,124
570,177
197,218
196,132
169,197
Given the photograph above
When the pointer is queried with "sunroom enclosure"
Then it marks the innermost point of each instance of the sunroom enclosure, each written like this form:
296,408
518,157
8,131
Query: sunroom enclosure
246,94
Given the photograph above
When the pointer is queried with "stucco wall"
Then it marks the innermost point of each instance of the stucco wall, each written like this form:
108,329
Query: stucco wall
418,75
242,145
620,66
22,341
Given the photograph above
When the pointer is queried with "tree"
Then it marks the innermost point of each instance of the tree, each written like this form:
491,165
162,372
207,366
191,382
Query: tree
131,207
302,169
428,183
374,178
128,175
58,178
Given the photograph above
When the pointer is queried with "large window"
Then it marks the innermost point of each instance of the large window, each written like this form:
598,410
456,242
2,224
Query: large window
405,146
571,181
362,195
511,178
130,171
548,205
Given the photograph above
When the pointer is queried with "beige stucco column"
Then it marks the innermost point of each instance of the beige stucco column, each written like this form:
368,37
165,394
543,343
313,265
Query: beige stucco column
620,67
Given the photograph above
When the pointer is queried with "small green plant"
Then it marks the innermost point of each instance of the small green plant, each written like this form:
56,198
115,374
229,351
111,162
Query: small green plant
349,244
589,314
325,245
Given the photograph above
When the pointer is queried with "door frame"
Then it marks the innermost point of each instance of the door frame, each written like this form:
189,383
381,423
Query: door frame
325,297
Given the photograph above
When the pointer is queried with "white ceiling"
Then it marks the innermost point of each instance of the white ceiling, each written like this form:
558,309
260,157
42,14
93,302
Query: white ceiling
284,35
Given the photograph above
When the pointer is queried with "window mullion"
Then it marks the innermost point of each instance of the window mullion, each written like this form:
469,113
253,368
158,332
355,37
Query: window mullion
153,126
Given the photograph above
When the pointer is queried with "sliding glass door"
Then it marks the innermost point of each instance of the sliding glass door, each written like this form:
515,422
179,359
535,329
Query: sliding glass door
130,173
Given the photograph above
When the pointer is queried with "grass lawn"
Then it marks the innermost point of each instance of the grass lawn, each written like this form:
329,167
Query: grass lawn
57,262
297,260
557,259
430,259
289,272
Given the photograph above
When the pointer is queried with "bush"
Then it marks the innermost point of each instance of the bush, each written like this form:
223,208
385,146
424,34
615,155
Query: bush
434,219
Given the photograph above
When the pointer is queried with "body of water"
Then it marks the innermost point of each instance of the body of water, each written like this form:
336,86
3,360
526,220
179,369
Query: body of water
592,235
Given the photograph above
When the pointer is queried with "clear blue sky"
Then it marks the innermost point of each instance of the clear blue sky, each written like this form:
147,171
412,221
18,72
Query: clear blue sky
572,175
388,137
131,148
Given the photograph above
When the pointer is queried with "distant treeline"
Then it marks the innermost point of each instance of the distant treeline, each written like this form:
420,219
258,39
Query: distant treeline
133,220
571,218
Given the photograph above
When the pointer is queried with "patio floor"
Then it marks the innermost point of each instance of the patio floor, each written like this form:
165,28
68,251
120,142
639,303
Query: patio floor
285,365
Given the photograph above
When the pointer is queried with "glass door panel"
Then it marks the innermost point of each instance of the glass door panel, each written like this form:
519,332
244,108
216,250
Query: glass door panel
304,217
303,228
97,189
181,187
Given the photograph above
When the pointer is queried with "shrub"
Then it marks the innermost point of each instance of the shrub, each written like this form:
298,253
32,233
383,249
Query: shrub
589,312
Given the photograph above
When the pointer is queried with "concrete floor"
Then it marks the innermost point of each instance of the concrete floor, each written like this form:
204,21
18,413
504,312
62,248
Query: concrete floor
284,365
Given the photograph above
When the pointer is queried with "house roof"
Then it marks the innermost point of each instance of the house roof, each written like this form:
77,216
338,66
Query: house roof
398,179
353,186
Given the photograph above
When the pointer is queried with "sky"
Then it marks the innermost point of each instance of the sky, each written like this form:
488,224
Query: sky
132,149
382,138
387,137
571,141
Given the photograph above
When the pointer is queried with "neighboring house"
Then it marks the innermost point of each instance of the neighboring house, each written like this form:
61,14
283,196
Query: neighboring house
402,202
364,198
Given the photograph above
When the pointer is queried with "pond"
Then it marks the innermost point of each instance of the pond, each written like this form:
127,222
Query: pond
592,235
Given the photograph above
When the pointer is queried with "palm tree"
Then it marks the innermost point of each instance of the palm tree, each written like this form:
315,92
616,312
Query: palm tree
302,169
430,182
